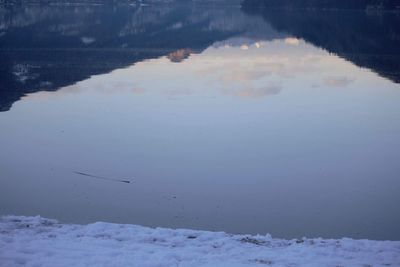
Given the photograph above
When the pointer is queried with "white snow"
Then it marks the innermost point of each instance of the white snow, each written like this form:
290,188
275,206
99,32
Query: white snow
36,241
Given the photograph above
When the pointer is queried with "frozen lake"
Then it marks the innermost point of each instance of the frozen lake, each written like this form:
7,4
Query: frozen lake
220,118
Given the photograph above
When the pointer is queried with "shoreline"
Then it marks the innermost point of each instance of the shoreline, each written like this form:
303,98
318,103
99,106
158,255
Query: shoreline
37,241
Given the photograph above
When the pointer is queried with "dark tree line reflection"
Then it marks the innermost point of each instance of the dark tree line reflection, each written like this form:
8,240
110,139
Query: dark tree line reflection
48,47
367,40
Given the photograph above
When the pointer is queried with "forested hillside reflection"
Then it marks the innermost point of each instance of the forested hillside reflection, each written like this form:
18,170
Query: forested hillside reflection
47,47
369,40
329,4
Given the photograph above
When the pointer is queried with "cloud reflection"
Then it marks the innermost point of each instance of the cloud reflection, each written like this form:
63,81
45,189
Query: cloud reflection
252,92
340,81
292,41
263,69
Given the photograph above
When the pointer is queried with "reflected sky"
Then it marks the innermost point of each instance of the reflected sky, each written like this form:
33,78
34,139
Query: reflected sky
235,67
248,136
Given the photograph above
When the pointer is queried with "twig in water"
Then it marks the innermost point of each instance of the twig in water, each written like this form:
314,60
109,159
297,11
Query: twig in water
103,178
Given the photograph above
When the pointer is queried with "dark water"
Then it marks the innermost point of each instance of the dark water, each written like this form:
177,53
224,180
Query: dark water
221,117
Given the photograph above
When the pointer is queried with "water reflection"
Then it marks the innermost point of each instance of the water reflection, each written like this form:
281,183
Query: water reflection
227,124
370,40
264,68
47,47
39,45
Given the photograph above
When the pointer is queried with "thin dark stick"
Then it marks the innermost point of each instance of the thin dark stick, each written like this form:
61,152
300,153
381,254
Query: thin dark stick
103,178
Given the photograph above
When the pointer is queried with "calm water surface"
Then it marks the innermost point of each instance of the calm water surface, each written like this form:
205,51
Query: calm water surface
221,118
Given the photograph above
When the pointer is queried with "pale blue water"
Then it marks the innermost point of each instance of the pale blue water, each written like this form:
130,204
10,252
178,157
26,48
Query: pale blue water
219,120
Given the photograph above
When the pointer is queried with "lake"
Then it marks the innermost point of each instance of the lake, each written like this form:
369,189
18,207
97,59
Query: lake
220,117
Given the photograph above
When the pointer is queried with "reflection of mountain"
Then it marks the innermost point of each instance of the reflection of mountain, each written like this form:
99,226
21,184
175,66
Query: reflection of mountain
47,47
329,4
370,41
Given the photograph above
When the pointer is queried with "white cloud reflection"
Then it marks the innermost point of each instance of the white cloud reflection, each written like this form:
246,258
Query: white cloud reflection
292,41
253,70
340,81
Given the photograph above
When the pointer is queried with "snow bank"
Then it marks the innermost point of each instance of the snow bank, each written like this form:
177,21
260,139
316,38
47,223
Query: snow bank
36,241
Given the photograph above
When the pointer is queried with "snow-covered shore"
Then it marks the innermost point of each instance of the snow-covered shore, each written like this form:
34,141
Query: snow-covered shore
36,241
